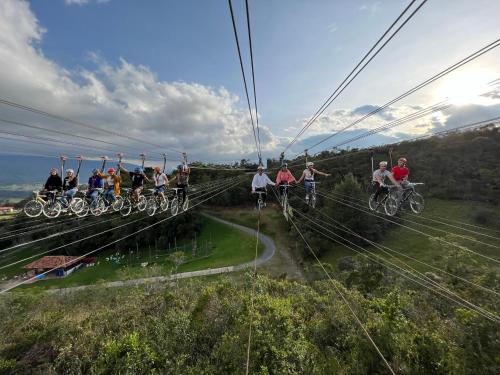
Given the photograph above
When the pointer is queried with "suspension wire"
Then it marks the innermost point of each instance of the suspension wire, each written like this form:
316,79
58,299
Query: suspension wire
252,295
244,78
112,242
339,89
253,82
461,301
346,302
80,123
410,228
56,235
492,120
438,230
345,229
361,203
222,185
23,124
435,77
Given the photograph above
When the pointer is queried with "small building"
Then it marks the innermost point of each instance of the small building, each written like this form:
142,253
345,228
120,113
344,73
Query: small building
57,265
6,210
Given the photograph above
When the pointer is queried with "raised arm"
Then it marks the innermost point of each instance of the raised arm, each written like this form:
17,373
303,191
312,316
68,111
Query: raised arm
124,169
322,173
269,182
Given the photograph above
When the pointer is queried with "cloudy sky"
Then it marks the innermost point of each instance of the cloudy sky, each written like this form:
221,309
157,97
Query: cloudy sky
163,75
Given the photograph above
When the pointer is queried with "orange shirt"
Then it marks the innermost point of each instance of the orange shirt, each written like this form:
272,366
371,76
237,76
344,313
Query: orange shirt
285,177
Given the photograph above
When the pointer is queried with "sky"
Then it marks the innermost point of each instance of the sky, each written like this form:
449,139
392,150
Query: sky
163,76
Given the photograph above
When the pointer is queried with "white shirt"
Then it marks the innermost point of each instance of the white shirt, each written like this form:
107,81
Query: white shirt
160,179
308,175
378,174
261,181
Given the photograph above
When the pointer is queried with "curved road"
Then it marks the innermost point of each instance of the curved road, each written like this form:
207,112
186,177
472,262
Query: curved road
269,251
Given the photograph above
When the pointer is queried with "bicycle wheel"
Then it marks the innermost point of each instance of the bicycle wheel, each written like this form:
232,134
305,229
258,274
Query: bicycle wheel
126,207
417,203
97,207
391,206
185,205
151,206
142,203
33,208
164,204
52,209
83,209
117,204
174,207
372,203
76,205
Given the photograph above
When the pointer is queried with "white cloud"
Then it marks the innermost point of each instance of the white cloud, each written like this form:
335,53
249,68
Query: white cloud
332,28
76,2
126,98
372,8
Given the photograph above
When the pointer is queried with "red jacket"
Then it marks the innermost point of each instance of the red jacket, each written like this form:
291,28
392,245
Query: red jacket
400,173
285,177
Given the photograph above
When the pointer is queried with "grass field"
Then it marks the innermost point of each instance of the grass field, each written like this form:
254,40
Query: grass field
230,247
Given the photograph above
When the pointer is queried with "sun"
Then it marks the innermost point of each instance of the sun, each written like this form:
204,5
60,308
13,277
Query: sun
466,87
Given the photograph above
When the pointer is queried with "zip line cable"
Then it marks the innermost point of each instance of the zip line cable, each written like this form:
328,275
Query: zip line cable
253,81
346,302
252,298
339,89
105,231
437,288
345,229
81,124
435,77
257,146
111,243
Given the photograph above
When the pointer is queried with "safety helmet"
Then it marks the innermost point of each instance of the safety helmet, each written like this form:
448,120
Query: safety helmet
260,167
111,170
138,170
52,170
70,171
284,165
179,166
95,171
383,164
403,160
157,169
309,164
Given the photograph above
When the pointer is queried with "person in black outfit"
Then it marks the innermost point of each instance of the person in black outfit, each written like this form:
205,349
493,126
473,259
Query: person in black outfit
54,182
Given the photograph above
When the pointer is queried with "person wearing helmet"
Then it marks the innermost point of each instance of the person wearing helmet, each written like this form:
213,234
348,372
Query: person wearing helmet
70,186
379,177
401,171
308,178
137,176
111,185
283,178
259,183
182,179
95,185
161,182
54,181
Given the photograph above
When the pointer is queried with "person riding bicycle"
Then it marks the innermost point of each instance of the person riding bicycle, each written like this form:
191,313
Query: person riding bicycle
137,177
70,186
161,182
401,171
182,178
95,185
112,185
54,181
283,178
259,183
308,178
379,177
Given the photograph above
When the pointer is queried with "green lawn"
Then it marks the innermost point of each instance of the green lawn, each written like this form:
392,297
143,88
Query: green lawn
231,247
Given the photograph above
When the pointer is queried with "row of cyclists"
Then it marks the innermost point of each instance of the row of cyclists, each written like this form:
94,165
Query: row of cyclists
108,185
398,176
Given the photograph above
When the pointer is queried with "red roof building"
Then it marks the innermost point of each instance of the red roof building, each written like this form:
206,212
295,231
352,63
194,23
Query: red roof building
52,261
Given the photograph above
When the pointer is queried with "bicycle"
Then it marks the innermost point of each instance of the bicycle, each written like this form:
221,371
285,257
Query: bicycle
374,205
287,210
260,201
155,202
311,201
177,202
394,203
52,207
34,207
128,203
96,206
74,205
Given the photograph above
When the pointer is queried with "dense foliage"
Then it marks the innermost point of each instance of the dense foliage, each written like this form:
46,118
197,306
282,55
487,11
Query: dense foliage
201,327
